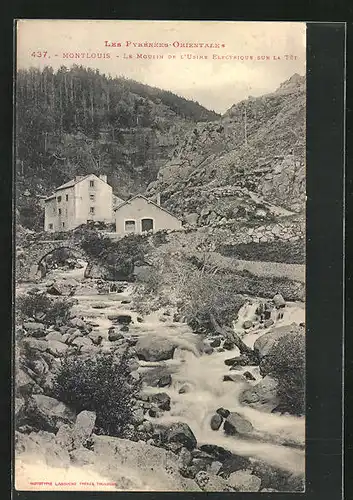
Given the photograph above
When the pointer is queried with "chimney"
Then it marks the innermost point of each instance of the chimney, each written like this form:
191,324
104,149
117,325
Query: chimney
103,178
158,199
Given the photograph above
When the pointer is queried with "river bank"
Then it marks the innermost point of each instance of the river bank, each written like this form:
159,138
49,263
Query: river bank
195,382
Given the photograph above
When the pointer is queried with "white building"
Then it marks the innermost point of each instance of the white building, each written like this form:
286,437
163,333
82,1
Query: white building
140,214
85,198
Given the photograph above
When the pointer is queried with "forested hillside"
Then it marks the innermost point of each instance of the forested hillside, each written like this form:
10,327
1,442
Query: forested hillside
76,121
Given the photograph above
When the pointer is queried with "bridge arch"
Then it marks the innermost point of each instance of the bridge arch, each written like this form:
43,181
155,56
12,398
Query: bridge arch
28,261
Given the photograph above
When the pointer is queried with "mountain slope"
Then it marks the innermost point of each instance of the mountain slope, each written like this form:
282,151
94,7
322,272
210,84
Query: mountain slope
249,162
77,121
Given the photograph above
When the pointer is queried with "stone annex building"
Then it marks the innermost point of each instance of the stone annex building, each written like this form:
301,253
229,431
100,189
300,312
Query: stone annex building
90,198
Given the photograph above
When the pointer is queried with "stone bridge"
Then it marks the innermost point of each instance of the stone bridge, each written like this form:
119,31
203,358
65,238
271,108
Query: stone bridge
29,258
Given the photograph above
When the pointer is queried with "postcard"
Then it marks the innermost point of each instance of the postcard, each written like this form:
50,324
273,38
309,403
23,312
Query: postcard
160,256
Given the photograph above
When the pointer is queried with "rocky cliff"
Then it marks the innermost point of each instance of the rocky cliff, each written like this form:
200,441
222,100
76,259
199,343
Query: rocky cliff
248,164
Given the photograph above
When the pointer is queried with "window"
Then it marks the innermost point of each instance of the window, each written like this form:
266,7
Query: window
146,224
50,226
59,211
92,197
91,184
54,210
91,210
67,197
130,226
59,199
63,224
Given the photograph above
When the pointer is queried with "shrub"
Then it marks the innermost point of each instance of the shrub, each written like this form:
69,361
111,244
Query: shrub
99,384
286,363
41,307
210,294
120,256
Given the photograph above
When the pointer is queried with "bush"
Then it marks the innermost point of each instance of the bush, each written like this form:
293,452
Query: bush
101,385
286,363
41,307
210,294
119,257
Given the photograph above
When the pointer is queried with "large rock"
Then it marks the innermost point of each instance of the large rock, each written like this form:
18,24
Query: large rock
46,413
121,319
262,396
40,446
155,348
34,344
83,427
264,344
34,329
216,422
56,348
161,399
24,383
243,480
279,301
82,341
181,433
149,467
211,483
62,287
77,323
236,424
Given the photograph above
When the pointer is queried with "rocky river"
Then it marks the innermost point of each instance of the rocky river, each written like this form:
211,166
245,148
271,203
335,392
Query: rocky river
197,380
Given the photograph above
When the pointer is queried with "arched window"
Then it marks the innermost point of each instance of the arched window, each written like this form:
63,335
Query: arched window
146,224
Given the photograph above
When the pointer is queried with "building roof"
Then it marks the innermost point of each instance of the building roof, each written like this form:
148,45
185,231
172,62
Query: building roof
71,183
148,201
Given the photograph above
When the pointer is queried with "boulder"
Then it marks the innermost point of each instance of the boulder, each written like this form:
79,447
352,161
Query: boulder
155,348
121,319
211,483
244,480
46,413
82,456
264,344
215,451
24,383
115,335
41,446
56,348
161,399
228,345
77,323
165,380
223,412
236,424
249,376
247,324
181,433
34,344
233,377
74,335
138,466
279,301
216,422
184,389
64,436
268,322
83,427
262,396
277,479
34,329
215,343
55,336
